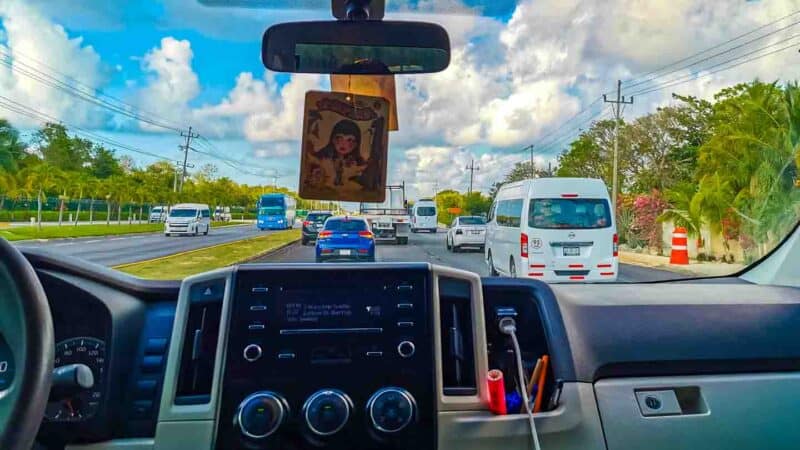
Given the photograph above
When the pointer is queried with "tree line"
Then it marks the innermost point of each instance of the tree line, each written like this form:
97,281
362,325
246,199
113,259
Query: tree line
729,163
92,181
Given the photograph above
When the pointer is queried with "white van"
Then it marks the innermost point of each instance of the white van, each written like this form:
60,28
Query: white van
158,214
553,229
424,216
188,218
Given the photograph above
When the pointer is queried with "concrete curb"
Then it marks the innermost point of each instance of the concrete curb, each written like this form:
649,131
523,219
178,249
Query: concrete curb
697,269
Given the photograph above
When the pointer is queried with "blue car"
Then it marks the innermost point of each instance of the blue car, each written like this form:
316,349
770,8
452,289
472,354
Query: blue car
345,239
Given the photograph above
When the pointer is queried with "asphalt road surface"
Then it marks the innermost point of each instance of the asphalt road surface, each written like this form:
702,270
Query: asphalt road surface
115,250
428,247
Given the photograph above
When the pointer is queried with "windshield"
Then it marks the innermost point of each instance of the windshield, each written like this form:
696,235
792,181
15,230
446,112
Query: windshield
341,225
271,201
271,211
426,211
569,213
682,120
183,213
471,221
317,217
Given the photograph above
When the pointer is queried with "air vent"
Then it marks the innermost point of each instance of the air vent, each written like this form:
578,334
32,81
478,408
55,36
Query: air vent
458,348
200,343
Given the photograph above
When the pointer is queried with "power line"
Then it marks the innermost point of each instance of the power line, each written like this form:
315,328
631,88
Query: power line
19,108
720,45
88,94
706,72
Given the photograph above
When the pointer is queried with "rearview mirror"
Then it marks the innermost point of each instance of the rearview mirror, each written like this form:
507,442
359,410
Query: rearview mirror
356,47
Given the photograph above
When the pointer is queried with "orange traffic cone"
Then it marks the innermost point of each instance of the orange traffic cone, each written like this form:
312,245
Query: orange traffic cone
680,249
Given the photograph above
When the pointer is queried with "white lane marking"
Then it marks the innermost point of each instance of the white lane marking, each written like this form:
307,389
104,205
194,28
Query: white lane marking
118,239
93,241
65,243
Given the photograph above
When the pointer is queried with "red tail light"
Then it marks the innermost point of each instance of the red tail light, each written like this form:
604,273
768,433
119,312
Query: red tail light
523,245
325,234
306,223
616,244
366,234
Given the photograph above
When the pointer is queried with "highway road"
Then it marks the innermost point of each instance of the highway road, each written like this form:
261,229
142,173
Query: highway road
425,247
115,250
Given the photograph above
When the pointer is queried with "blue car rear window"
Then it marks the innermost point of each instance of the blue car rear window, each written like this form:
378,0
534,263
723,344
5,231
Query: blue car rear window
345,225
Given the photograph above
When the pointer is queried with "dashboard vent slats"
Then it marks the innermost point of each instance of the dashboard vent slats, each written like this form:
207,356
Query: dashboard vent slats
456,328
200,342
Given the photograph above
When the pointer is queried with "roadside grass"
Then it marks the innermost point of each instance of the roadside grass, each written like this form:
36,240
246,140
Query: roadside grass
69,230
179,266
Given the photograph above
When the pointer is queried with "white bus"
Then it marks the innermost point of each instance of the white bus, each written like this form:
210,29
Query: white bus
553,229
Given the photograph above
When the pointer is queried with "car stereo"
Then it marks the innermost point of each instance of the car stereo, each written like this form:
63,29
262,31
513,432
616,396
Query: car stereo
329,357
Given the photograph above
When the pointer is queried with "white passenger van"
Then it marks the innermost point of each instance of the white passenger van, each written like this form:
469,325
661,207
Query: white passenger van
424,216
553,229
188,218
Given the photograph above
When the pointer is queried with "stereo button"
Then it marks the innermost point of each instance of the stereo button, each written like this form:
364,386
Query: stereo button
252,352
406,349
405,324
405,306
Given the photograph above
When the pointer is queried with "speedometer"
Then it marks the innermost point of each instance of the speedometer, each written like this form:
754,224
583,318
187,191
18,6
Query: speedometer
81,404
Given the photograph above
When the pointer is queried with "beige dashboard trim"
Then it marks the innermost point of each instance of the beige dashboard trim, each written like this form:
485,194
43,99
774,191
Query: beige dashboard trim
192,426
465,403
575,424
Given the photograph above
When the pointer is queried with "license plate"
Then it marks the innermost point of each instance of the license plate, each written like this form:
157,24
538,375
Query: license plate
475,232
572,251
344,252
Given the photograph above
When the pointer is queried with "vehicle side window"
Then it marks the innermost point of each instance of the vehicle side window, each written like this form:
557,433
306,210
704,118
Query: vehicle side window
491,215
509,213
206,213
454,224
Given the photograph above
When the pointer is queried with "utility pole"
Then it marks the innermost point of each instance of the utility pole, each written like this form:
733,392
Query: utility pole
533,168
616,105
189,136
178,168
472,168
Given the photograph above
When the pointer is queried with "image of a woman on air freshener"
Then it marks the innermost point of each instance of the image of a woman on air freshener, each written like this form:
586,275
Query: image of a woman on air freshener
343,149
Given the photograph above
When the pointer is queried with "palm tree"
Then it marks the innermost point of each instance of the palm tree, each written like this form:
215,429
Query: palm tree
106,190
39,179
682,212
82,185
8,186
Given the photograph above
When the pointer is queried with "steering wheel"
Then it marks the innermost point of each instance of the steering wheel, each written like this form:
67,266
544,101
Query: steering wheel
26,350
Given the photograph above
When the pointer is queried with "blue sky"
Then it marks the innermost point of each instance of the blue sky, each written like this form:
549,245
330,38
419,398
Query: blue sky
519,70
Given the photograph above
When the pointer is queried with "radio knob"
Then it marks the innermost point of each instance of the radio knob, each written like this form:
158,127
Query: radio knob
326,412
391,409
406,349
252,352
261,414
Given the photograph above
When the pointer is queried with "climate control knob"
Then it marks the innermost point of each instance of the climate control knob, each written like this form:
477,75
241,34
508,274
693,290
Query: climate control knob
261,414
326,412
391,409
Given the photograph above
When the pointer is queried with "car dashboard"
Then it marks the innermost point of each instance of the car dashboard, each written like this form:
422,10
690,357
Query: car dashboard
396,356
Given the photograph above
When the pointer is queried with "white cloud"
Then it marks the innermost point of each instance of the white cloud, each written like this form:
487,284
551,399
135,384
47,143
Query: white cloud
278,150
36,44
172,82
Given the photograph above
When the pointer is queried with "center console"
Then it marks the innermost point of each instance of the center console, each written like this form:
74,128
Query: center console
329,358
